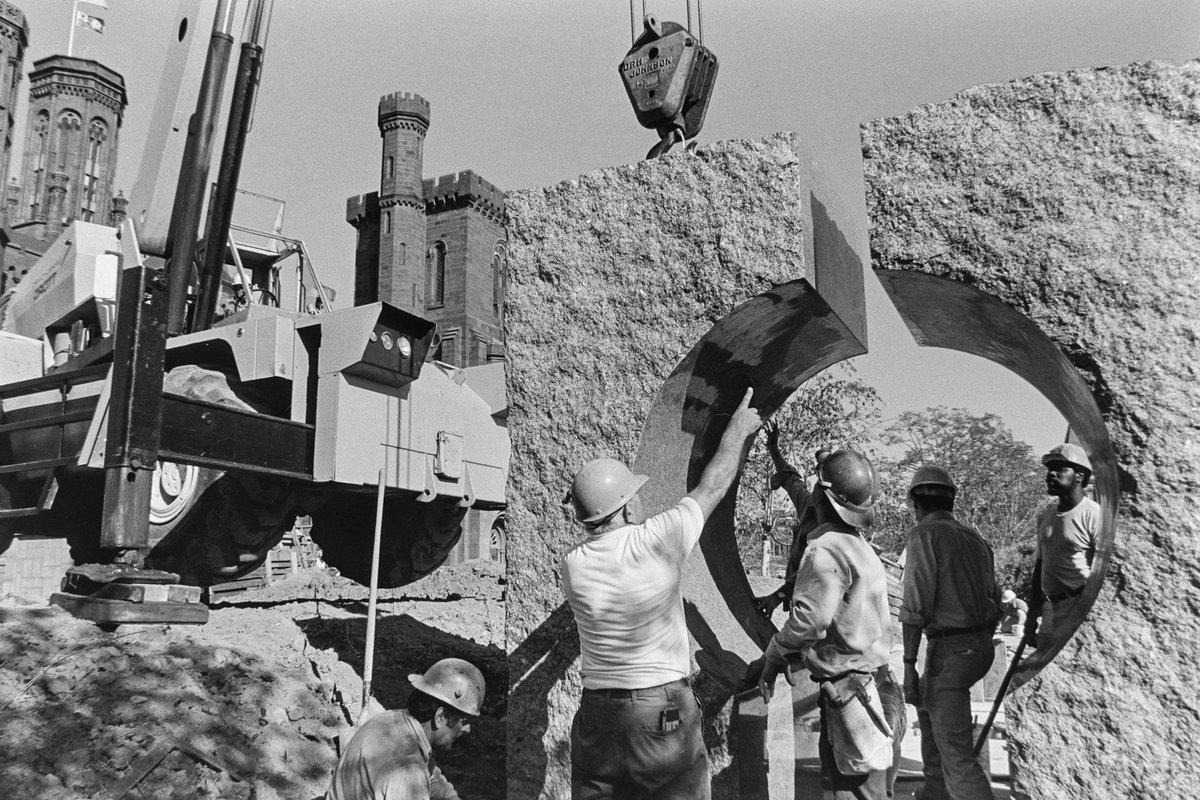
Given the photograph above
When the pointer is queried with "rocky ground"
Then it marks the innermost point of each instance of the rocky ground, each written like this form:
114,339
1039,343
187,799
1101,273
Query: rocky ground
249,705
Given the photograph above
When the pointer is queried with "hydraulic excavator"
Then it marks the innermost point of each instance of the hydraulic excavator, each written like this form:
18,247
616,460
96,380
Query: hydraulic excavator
170,419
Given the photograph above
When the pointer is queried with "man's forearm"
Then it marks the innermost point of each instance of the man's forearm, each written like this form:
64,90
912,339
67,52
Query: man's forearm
912,642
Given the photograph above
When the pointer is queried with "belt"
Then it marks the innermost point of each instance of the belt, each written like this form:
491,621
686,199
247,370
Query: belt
629,694
1058,598
987,626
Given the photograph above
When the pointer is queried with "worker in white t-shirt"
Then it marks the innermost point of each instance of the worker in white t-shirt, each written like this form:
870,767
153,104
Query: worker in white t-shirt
637,733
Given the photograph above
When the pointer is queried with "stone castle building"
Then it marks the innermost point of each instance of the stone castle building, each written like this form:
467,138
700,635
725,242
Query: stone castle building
14,37
69,158
75,110
434,247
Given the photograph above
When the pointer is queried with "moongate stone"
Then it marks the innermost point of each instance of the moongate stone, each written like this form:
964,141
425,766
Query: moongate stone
1073,198
612,280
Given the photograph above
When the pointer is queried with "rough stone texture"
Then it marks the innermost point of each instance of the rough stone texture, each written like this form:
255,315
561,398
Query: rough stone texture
612,279
1073,198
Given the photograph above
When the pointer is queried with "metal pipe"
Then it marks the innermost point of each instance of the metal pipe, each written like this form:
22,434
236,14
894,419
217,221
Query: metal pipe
241,112
1003,690
372,598
633,26
193,173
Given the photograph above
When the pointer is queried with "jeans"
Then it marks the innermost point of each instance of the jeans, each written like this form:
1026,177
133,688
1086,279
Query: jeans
878,785
953,665
628,746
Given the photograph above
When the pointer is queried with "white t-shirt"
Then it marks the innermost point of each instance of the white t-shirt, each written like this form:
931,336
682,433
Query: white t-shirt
1068,544
624,588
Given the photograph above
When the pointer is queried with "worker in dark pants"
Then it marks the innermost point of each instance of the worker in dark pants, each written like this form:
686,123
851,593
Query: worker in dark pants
391,756
637,733
839,620
1067,532
792,482
950,596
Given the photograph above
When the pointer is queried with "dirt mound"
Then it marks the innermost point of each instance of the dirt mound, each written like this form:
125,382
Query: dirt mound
83,706
258,696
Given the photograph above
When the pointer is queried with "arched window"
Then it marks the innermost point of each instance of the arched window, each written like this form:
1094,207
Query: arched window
435,271
499,261
391,166
97,135
69,125
387,222
41,132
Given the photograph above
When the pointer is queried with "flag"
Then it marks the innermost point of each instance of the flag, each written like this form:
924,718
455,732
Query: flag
92,23
101,3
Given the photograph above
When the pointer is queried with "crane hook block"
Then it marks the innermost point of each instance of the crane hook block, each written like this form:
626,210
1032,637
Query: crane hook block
669,78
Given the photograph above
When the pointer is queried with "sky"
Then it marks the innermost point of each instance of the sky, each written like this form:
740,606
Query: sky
526,93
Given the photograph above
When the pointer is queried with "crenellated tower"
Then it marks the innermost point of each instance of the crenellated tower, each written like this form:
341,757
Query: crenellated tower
403,122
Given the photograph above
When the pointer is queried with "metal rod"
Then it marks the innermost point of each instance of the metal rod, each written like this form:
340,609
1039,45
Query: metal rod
193,173
700,21
1008,676
220,213
689,16
633,26
369,654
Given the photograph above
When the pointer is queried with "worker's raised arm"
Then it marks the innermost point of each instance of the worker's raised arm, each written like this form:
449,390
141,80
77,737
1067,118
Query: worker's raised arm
722,470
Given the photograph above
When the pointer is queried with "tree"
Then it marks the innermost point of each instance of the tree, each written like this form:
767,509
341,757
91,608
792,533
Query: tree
1000,488
833,410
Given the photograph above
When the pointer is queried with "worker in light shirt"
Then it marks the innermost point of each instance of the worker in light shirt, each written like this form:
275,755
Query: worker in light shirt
637,733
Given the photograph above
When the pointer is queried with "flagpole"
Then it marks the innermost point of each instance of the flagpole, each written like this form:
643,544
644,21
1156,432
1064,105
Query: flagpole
74,25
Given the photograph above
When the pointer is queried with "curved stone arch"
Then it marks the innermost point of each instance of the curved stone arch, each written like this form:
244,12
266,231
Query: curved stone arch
775,342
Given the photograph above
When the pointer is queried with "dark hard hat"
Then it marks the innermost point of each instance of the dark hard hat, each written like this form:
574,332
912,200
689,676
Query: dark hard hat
850,483
934,480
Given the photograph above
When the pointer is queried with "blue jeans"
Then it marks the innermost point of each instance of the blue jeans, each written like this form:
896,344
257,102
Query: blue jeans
953,665
628,745
874,785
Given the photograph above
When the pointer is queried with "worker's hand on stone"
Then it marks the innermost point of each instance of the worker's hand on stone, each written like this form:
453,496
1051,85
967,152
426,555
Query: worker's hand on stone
746,420
771,429
1030,636
767,604
912,685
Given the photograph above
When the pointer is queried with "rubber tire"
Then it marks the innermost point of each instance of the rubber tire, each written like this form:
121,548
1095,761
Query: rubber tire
416,539
228,531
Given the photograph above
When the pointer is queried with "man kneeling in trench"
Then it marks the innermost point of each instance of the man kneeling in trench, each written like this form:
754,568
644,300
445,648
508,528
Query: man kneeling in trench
839,621
390,757
637,733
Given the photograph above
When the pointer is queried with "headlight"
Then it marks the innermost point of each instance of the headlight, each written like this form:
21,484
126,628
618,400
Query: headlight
386,340
404,345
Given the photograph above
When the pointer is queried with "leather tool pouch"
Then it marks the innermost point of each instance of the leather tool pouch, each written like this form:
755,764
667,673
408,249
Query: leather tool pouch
859,735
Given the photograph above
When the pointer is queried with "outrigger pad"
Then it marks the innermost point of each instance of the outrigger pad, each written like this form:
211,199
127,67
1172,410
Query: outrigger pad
87,578
123,612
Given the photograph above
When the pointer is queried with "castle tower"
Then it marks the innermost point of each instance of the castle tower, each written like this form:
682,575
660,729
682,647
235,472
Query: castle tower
75,110
400,277
14,36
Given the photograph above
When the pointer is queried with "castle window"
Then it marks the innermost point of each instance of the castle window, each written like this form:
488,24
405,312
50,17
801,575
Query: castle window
68,131
97,133
391,167
499,260
42,148
435,273
387,222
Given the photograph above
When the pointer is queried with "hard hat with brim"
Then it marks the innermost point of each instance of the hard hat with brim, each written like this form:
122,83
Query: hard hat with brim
934,480
1068,453
456,682
1008,596
602,488
848,479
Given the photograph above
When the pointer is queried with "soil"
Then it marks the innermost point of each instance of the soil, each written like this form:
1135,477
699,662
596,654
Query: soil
250,705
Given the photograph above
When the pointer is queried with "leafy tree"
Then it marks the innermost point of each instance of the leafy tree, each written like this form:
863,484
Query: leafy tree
1000,483
834,409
